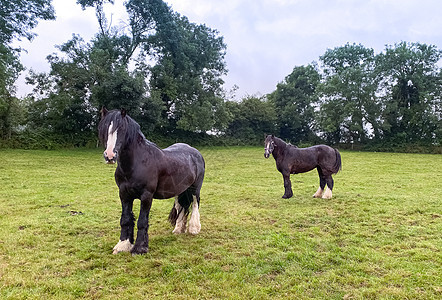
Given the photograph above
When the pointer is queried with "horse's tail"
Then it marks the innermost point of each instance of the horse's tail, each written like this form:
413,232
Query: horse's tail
338,163
184,201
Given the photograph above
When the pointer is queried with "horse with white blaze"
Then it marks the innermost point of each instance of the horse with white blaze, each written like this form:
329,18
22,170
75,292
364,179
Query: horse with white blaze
145,171
293,160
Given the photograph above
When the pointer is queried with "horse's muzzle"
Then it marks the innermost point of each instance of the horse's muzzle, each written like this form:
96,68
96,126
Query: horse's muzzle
110,160
266,154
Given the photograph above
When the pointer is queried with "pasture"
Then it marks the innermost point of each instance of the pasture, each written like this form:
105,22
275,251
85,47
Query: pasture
379,237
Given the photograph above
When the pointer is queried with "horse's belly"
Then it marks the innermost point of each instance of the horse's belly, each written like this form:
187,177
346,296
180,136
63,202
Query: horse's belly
301,169
164,195
172,186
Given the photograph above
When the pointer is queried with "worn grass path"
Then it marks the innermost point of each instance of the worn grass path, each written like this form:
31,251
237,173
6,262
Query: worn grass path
380,237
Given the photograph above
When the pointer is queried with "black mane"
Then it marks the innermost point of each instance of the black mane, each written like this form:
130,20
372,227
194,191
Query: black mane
127,124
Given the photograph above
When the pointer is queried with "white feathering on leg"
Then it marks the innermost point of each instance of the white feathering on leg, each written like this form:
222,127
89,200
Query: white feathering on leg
180,225
318,193
194,223
327,194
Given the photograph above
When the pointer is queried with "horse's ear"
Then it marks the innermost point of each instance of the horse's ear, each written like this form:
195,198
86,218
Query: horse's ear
103,112
123,112
273,136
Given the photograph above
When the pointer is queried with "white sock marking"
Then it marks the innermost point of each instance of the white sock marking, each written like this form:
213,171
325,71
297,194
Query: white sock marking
318,193
122,246
180,226
194,223
327,194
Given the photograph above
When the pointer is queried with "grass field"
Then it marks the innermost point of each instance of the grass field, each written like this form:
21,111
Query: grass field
380,237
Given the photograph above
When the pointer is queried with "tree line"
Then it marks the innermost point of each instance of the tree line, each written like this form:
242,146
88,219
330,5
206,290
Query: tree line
167,72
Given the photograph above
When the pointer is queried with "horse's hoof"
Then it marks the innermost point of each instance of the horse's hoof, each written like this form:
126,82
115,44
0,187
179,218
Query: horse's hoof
179,230
287,196
195,229
139,250
122,246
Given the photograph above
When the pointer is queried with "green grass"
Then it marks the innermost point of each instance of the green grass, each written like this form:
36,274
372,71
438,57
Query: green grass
380,237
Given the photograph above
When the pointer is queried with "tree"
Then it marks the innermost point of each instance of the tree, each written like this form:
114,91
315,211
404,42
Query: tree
17,19
187,76
410,92
348,93
182,60
252,118
188,63
87,77
295,99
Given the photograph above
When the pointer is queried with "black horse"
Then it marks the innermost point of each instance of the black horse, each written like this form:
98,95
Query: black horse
292,160
145,172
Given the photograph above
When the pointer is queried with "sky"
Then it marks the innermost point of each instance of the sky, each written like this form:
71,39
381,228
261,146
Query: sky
265,39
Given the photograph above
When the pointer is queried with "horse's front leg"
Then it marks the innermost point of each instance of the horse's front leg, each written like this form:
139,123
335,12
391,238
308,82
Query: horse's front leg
142,243
288,193
127,223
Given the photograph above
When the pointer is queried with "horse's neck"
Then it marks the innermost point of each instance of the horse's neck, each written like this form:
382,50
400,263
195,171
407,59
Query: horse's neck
125,158
279,149
130,153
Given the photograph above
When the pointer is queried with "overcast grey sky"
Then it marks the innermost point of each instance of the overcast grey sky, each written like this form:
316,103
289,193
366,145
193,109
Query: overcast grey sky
265,39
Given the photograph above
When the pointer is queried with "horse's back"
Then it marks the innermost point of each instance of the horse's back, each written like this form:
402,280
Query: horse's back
182,151
182,148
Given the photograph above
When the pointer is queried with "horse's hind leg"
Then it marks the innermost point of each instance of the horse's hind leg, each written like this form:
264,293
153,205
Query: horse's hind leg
194,223
328,192
322,183
180,217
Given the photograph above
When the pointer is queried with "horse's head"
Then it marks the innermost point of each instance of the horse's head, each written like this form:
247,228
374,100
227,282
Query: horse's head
269,145
112,130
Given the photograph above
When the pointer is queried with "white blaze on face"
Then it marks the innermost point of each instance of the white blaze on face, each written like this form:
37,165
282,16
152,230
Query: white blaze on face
111,141
267,147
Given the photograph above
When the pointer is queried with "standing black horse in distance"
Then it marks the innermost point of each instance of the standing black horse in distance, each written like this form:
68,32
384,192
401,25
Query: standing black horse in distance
145,172
292,160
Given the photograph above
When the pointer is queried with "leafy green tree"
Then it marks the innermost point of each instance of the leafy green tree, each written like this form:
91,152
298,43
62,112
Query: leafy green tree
187,77
183,61
188,64
87,77
411,92
17,19
252,118
349,104
295,99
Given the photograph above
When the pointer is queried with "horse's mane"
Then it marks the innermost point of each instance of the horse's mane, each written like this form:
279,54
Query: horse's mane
282,144
132,128
279,142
